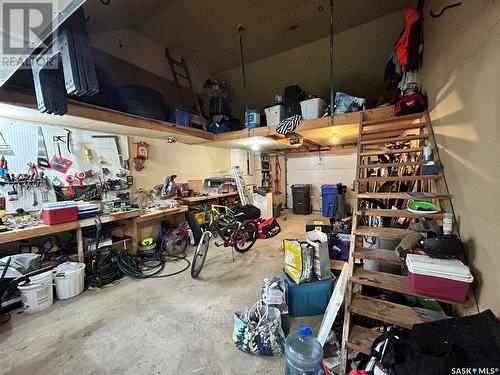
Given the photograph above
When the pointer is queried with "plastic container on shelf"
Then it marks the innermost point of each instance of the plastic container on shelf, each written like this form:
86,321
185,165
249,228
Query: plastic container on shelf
178,116
303,353
440,278
312,108
252,119
274,114
69,279
328,195
38,294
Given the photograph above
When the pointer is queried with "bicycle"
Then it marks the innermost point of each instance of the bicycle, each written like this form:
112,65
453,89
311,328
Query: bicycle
234,229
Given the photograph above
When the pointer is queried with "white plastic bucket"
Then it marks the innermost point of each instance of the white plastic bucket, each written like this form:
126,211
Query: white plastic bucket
70,279
38,294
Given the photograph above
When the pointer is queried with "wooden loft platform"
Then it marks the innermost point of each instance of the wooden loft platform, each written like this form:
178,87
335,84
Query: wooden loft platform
317,134
22,106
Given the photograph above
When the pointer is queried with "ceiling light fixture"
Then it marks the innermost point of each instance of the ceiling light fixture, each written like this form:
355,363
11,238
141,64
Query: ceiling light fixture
335,137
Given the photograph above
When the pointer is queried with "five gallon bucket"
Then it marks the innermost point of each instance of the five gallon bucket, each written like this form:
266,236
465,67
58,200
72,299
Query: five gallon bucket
38,294
70,279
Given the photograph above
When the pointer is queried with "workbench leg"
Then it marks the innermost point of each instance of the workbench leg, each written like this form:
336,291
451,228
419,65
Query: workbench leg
131,230
79,245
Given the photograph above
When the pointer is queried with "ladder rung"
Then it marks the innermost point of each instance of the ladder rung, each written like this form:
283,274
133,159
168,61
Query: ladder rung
377,255
392,313
396,213
426,197
384,232
388,120
361,339
182,76
388,281
395,139
401,178
388,165
389,128
391,152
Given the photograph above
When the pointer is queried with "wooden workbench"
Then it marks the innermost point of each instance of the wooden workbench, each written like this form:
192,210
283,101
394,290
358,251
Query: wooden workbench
148,218
43,230
205,198
132,221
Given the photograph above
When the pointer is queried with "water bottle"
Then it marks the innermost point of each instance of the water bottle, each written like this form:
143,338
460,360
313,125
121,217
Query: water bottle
303,353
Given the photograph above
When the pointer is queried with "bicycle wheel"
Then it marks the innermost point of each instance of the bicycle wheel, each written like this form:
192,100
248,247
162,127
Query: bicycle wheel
200,254
245,236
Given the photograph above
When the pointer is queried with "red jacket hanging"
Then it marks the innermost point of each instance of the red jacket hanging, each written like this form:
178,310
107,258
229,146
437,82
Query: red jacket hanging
410,39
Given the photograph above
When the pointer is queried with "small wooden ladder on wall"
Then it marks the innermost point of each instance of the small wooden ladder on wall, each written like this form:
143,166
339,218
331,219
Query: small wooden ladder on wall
403,138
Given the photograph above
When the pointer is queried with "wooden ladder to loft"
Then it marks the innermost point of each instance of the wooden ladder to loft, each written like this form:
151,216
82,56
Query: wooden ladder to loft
172,63
414,131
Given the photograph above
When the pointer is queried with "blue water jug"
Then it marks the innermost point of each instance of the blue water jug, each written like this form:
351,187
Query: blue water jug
303,353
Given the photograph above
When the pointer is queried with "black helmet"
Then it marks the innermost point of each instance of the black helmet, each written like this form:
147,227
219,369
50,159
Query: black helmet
443,246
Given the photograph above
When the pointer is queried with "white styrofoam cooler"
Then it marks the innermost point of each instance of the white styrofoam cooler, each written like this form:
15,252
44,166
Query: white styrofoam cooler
312,108
275,114
69,279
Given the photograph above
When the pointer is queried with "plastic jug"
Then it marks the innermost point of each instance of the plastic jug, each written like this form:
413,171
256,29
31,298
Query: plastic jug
303,353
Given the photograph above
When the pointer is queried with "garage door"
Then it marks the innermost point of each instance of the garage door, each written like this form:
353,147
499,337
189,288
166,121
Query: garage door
317,171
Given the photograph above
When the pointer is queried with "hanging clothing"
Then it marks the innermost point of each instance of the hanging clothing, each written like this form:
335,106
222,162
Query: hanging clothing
408,49
392,73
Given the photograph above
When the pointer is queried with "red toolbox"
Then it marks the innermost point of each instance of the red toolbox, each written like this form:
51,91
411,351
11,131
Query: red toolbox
59,212
439,278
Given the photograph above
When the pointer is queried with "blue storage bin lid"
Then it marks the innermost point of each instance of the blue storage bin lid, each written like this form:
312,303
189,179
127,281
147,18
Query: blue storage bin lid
329,188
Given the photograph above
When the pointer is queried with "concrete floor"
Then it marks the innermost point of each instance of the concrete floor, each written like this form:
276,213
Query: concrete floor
174,325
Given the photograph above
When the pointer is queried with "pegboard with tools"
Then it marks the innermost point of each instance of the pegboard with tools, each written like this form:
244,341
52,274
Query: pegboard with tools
42,163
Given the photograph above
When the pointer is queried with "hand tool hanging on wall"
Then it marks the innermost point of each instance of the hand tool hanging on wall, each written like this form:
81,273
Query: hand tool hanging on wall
65,65
70,179
87,153
58,162
43,156
4,169
68,140
5,149
123,163
80,176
